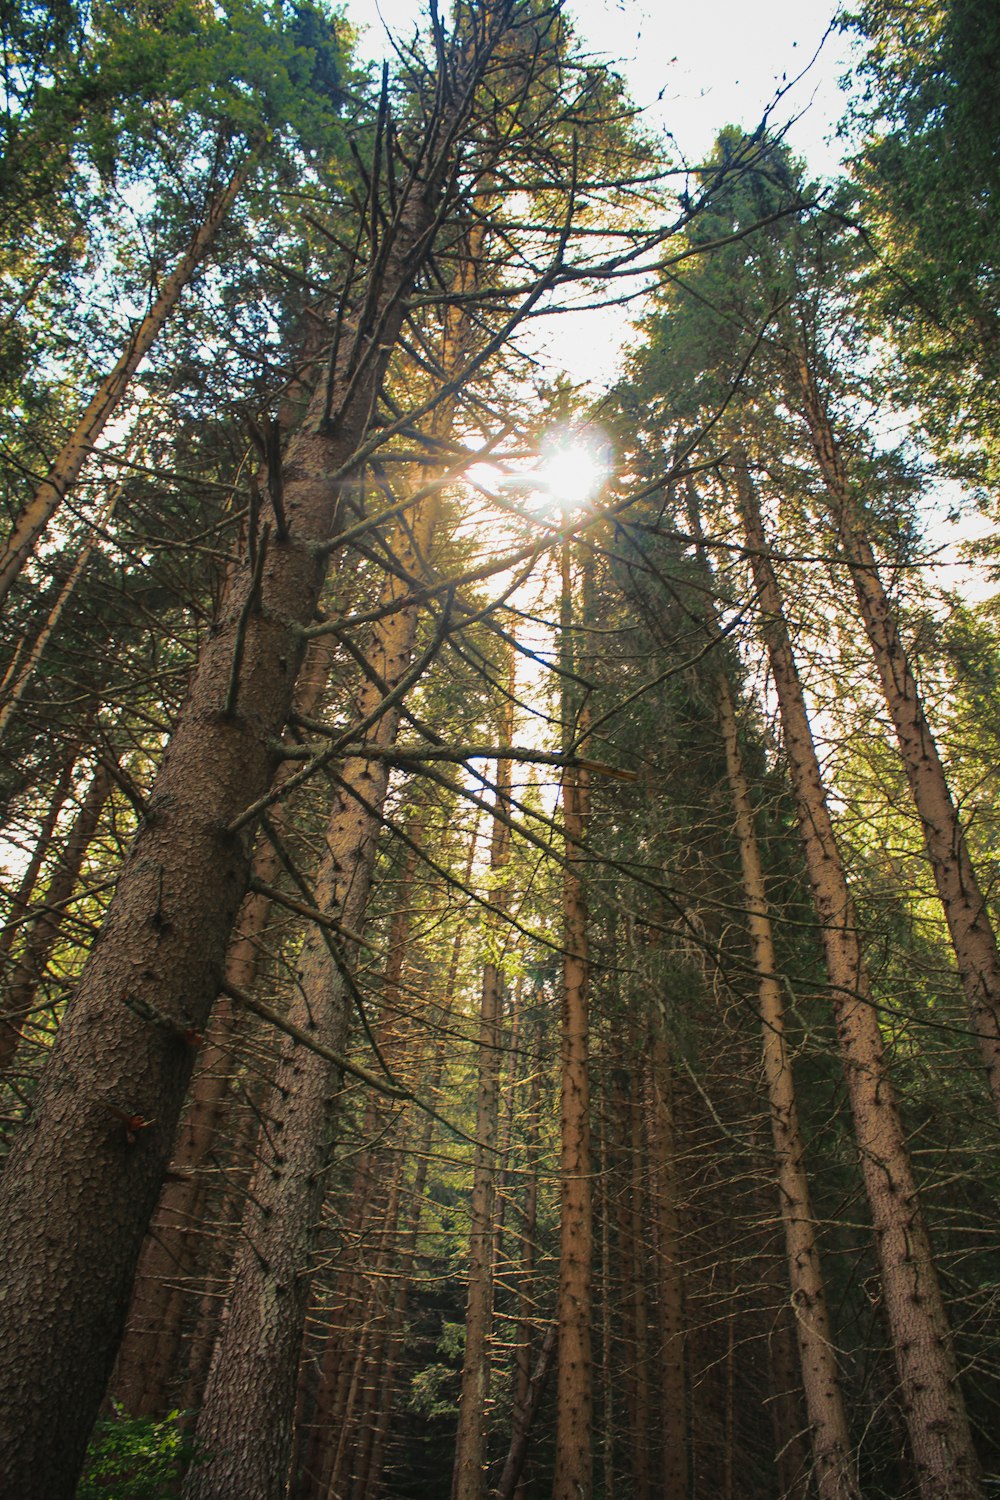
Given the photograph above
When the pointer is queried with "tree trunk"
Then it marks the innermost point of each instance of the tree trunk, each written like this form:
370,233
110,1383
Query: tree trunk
470,1440
524,1416
19,680
20,902
65,471
83,1179
961,897
670,1288
43,933
173,1259
573,1468
834,1472
245,1423
935,1412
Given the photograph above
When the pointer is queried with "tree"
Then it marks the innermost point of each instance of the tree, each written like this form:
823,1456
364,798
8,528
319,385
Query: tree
167,939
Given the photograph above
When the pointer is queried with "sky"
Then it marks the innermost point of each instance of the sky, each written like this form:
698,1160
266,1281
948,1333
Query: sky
698,66
692,69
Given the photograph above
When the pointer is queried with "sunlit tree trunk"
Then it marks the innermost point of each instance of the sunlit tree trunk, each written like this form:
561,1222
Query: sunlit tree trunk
573,1471
932,1400
470,1441
961,896
43,933
833,1467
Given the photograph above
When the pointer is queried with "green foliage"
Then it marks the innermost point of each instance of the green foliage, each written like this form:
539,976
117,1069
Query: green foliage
926,127
135,1458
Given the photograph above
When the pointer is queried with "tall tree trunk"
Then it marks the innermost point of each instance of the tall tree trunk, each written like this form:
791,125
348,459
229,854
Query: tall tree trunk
341,1354
80,1186
245,1424
43,933
470,1440
960,894
173,1259
65,471
834,1472
573,1470
603,1210
932,1400
669,1283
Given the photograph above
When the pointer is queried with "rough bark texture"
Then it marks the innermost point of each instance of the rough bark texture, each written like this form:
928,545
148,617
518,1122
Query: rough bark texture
959,892
523,1416
83,1180
834,1473
937,1423
173,1259
62,476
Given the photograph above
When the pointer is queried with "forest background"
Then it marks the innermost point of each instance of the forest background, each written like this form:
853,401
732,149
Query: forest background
501,992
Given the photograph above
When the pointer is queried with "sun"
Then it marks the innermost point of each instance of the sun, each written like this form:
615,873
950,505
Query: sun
574,466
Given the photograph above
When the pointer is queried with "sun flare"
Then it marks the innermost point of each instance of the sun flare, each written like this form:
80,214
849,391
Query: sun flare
572,470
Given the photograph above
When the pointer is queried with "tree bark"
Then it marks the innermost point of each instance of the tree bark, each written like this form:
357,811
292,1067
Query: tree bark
959,892
470,1440
245,1424
834,1471
172,1260
524,1416
573,1466
936,1419
669,1282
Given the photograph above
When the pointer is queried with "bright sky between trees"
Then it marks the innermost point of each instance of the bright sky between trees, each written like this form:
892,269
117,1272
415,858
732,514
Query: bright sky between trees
691,69
697,67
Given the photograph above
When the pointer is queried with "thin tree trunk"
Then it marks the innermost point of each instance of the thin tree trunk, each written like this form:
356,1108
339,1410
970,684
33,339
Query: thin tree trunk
635,1262
791,1445
65,471
525,1279
18,682
408,1251
470,1440
43,934
573,1468
20,903
935,1412
670,1288
959,892
524,1416
607,1342
341,1352
834,1470
80,1186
